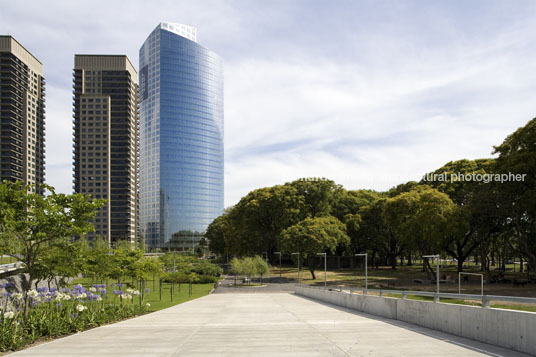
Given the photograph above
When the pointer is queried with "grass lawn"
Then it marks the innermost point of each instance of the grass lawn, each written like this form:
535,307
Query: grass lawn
180,292
4,259
403,277
246,285
522,307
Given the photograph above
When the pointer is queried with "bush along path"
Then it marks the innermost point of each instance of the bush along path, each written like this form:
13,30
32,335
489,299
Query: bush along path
60,312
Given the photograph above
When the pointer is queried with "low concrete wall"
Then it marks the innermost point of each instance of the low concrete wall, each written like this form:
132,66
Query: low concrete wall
515,330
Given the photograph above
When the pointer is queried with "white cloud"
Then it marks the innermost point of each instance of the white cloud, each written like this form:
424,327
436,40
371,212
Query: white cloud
368,94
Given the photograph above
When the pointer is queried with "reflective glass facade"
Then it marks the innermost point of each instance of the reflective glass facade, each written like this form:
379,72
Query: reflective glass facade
181,137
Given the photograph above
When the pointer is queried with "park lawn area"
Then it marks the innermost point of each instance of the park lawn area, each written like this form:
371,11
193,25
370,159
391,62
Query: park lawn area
7,260
383,276
180,292
520,307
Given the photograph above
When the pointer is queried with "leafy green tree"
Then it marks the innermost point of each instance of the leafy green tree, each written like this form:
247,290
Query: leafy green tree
420,217
98,262
246,266
236,266
362,233
31,223
261,266
215,234
189,264
59,261
312,236
259,217
475,219
517,156
124,260
371,232
402,188
316,196
147,267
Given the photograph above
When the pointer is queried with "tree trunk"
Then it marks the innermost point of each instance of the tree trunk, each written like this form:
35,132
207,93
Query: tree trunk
392,259
460,265
312,270
428,269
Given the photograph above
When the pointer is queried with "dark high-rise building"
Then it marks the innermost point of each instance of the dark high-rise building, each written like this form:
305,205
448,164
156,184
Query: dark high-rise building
106,141
181,137
22,115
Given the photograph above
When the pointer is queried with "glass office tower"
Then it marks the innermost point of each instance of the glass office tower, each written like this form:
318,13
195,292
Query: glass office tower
181,137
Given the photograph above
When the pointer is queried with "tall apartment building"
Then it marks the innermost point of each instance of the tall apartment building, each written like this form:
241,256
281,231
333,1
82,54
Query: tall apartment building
106,141
22,115
181,137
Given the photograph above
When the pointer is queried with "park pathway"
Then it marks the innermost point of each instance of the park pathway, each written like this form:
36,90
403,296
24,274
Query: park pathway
278,324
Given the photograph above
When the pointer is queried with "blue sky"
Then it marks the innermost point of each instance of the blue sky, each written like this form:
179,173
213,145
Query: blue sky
368,93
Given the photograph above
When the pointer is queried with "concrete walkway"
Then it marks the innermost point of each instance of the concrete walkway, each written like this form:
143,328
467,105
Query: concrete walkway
261,325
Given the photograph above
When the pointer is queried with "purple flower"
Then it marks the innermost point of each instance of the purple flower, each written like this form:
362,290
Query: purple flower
147,290
43,289
48,299
79,289
53,290
8,285
74,315
58,304
118,292
120,285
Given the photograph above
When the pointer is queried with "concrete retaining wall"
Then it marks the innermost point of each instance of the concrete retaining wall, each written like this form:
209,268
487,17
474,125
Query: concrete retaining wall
515,330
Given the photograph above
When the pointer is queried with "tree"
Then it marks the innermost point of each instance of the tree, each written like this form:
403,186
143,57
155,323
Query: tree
516,198
245,266
317,196
147,267
312,236
124,259
215,234
258,218
475,218
60,261
261,266
374,233
420,218
361,238
98,262
31,223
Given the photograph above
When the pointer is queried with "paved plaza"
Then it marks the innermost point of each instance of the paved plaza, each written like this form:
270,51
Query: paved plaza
277,324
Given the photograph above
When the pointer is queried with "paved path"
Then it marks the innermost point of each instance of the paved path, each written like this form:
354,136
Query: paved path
270,285
261,325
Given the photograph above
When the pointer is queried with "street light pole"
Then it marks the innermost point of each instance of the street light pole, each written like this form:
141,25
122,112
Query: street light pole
436,256
279,264
298,265
325,269
366,269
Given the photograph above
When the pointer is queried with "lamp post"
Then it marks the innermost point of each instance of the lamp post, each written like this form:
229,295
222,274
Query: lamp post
325,269
279,264
366,269
298,265
436,256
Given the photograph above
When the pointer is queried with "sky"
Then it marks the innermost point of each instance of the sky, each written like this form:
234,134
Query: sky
367,93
